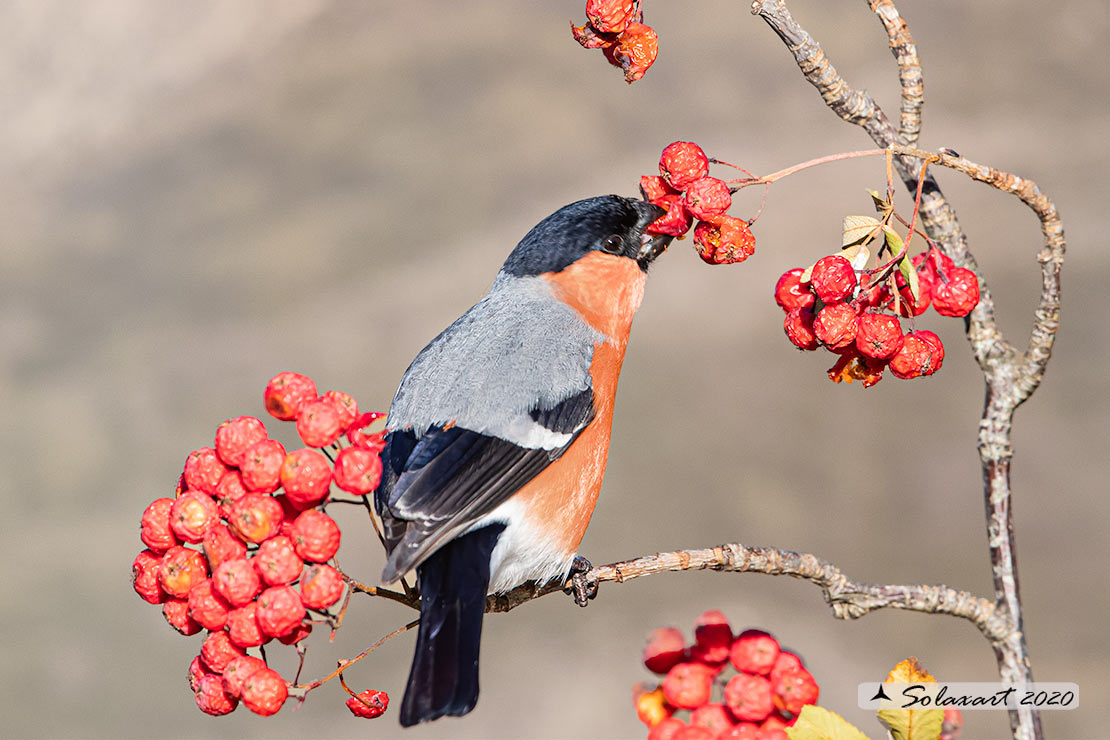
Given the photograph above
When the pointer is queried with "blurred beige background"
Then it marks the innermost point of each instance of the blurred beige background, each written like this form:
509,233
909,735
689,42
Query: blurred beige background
197,195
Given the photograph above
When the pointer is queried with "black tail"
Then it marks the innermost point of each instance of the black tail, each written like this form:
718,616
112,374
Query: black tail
453,584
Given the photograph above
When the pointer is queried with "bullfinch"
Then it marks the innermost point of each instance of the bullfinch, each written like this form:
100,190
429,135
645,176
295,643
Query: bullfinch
497,439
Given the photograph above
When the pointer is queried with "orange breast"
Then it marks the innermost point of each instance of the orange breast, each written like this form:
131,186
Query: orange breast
606,290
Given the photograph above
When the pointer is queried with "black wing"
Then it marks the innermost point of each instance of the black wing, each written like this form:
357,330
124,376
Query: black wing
438,484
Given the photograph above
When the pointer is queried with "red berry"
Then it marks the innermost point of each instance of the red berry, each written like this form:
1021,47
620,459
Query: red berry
851,366
203,470
754,651
176,612
749,697
651,706
666,729
952,724
238,670
793,689
713,635
957,295
276,561
712,717
693,732
688,685
212,698
723,240
676,221
683,162
589,37
359,438
773,734
144,577
775,721
237,582
609,16
835,325
315,536
180,570
922,353
261,466
230,490
368,704
306,477
791,294
207,607
242,626
286,393
707,197
300,632
321,586
192,515
634,51
220,545
786,661
289,514
798,326
653,187
318,423
878,335
156,532
345,404
742,731
234,436
264,692
197,669
833,279
358,470
255,518
280,610
665,648
218,650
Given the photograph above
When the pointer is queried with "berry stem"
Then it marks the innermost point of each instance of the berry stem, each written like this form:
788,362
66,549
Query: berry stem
345,664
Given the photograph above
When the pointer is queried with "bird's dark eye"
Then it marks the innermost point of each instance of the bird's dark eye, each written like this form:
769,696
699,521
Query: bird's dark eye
613,244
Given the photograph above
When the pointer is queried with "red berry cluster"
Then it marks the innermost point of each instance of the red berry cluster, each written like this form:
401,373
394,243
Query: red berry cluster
827,306
244,527
616,27
687,192
757,702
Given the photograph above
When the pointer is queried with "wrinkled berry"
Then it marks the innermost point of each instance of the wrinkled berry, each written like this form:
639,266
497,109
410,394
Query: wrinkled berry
180,570
833,279
683,162
754,651
368,704
192,515
207,607
922,353
264,692
835,325
315,536
218,650
958,295
688,685
203,470
255,517
878,335
318,423
306,477
358,470
234,436
286,393
156,532
280,610
261,466
749,697
212,698
237,582
321,586
144,577
277,562
791,294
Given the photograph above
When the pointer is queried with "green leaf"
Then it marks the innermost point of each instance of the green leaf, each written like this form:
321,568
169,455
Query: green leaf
818,723
909,272
911,724
859,229
893,241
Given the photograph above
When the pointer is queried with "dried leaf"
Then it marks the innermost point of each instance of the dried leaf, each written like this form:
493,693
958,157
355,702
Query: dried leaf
818,723
911,724
857,255
859,229
882,205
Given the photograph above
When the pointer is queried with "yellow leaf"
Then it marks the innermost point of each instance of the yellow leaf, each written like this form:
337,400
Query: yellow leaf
859,229
911,724
818,723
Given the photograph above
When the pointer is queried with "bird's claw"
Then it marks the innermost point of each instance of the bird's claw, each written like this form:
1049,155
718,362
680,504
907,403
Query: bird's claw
581,585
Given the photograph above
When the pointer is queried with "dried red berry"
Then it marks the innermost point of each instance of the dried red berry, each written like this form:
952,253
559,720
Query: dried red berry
742,731
176,612
289,514
207,607
634,51
156,532
218,650
707,197
851,366
197,669
234,436
653,187
318,423
922,353
749,697
237,582
144,577
952,724
790,293
368,704
667,729
794,689
359,438
798,326
238,670
321,586
713,635
664,649
958,295
286,393
833,279
693,732
264,692
242,626
786,661
688,685
878,335
230,490
358,470
590,38
276,561
609,16
203,470
220,545
261,466
713,717
280,610
676,221
754,651
775,721
255,518
300,632
724,240
212,698
345,404
315,536
835,325
306,477
193,515
683,162
180,570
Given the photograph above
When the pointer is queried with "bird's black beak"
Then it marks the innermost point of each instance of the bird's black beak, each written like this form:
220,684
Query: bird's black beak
651,246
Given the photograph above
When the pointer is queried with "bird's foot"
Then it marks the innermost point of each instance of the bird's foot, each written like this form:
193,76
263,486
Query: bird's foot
580,584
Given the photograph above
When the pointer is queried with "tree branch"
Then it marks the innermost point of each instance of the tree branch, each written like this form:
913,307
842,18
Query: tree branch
909,69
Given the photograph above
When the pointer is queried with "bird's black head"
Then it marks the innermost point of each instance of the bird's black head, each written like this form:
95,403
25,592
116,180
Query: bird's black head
608,223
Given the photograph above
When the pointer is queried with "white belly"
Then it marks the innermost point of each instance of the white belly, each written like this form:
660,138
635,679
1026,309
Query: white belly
522,553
